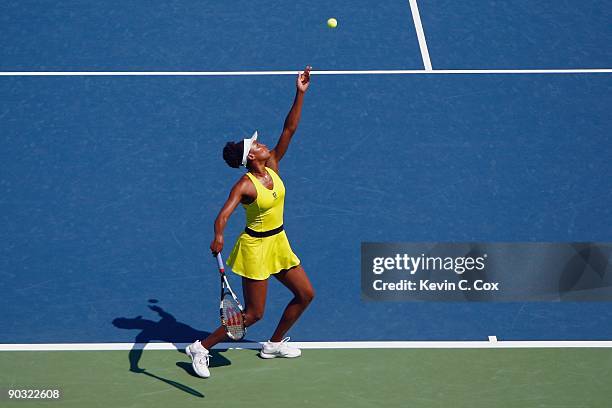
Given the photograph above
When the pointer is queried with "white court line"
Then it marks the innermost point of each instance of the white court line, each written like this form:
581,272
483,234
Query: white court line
416,16
316,345
364,72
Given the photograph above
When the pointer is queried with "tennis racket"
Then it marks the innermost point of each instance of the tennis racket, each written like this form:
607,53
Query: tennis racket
230,309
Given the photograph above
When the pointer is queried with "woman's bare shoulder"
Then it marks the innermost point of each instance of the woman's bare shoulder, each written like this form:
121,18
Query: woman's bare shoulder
245,186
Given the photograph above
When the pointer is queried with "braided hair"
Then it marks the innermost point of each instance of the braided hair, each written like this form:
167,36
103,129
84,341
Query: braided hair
232,154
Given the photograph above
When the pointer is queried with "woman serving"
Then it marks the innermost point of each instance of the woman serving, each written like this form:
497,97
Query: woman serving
263,249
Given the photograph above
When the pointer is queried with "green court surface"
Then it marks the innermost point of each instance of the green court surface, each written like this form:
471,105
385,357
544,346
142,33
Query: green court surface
568,377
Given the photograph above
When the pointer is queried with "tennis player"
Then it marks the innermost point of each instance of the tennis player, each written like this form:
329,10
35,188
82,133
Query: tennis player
263,249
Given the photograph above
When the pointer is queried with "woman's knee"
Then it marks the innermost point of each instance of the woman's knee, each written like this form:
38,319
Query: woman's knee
306,295
253,316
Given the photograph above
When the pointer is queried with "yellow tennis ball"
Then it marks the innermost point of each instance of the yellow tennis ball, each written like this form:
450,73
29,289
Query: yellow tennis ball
332,23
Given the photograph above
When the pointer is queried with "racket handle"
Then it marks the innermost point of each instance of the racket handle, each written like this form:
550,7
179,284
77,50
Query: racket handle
220,262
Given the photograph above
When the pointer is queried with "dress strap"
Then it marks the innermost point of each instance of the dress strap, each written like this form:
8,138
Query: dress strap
255,181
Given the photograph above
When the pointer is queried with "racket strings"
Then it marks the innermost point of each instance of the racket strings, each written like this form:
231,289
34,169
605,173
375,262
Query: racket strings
233,319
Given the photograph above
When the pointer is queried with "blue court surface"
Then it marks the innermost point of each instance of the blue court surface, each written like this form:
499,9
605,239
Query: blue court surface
109,185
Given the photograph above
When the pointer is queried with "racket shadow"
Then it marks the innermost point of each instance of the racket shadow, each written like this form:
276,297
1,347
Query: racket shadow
175,384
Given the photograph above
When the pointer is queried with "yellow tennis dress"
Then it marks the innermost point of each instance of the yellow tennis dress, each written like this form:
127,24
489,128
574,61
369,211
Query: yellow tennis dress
263,248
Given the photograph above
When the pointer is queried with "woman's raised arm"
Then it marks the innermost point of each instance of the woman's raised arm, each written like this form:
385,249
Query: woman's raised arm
293,117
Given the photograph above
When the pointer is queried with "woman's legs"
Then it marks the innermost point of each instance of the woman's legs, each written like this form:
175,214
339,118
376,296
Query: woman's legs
297,282
254,292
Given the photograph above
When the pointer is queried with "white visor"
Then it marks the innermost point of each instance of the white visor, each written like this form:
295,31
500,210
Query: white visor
247,147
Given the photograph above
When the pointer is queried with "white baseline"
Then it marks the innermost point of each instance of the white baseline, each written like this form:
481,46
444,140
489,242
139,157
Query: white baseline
315,345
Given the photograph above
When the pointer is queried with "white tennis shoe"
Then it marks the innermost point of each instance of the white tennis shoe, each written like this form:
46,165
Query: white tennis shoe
199,358
279,349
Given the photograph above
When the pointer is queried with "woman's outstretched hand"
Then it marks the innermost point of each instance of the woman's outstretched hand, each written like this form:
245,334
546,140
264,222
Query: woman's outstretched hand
303,79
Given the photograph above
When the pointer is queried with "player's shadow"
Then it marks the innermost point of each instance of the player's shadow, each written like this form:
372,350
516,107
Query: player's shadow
166,329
